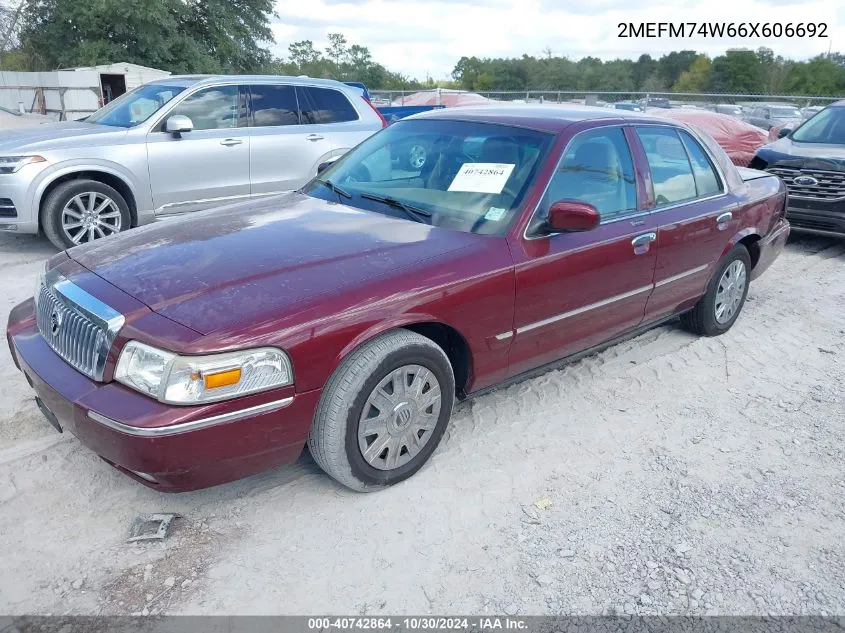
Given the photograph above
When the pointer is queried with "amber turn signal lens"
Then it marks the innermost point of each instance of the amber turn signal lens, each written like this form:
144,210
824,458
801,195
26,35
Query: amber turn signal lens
223,378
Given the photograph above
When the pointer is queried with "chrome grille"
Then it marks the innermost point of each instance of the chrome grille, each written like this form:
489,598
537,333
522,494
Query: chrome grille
829,185
76,325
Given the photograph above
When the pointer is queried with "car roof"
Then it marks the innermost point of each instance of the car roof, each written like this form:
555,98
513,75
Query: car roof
547,118
190,80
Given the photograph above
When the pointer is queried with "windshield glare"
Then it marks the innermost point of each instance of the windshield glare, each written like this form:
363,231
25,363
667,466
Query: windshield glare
828,126
136,106
470,177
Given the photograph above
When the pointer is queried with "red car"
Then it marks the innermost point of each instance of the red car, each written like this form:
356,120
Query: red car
351,314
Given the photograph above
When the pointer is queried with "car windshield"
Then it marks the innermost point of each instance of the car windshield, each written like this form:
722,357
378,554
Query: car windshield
786,113
460,175
136,106
828,126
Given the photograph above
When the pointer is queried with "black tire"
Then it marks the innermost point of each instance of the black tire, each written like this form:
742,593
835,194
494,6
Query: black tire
702,318
51,208
333,440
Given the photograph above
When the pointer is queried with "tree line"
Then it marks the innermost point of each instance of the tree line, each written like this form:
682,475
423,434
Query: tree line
233,36
737,71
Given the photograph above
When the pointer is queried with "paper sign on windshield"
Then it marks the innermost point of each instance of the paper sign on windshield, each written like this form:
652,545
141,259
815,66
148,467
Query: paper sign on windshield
482,177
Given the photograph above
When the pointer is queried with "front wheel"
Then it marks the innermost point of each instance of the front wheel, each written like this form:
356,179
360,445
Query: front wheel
383,411
81,211
719,308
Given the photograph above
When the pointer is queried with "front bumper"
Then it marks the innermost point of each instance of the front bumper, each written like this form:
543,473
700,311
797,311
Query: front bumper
168,448
17,193
818,217
770,247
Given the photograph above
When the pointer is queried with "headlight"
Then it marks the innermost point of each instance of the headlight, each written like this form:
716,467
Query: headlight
11,164
196,379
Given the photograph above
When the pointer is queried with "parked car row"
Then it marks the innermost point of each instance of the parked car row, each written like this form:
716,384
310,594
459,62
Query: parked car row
350,314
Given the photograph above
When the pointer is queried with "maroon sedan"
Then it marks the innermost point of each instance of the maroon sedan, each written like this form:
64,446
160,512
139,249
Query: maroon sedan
351,314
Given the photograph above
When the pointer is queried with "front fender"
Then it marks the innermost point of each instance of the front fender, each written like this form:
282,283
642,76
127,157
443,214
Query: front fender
390,323
64,168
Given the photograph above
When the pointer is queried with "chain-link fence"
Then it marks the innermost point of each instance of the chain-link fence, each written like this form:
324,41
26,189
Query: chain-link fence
397,97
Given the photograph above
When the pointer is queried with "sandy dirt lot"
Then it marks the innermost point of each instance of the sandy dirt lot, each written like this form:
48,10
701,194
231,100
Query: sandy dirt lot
668,474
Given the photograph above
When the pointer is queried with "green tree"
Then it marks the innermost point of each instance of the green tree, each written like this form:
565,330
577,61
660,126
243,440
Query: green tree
821,75
697,78
643,68
176,35
670,66
738,72
336,49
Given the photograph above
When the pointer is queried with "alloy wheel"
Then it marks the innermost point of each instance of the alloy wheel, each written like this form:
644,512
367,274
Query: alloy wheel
89,216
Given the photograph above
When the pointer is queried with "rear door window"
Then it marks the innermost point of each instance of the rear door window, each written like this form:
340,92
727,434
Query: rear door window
324,105
671,171
273,105
706,181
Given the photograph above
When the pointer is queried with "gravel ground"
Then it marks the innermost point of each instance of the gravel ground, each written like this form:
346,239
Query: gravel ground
666,475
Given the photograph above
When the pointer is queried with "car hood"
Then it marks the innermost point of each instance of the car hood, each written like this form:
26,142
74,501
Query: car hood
49,135
788,153
214,269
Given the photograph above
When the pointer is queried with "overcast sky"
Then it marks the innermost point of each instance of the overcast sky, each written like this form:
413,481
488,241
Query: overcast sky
420,37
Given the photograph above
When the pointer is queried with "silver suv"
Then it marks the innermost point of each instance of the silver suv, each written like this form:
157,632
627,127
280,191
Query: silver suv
173,146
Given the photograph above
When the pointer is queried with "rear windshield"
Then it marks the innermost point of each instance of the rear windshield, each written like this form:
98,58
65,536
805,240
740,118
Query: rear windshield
828,126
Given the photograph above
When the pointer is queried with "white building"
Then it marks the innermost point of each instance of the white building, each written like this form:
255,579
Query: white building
121,77
74,92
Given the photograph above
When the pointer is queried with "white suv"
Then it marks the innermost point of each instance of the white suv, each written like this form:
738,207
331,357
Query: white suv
173,146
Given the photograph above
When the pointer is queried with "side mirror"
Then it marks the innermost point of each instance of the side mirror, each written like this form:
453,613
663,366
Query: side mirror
784,131
571,215
177,124
324,166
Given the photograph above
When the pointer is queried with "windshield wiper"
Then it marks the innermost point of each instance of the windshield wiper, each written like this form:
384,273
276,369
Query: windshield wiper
340,192
415,213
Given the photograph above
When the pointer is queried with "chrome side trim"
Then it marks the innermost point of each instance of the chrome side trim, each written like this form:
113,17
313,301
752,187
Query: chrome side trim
176,208
582,309
193,425
681,275
504,336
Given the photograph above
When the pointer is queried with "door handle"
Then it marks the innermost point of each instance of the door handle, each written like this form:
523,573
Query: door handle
231,141
313,137
722,220
642,242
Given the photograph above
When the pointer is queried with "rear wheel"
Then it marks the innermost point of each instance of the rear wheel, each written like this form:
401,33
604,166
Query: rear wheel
383,411
81,211
719,308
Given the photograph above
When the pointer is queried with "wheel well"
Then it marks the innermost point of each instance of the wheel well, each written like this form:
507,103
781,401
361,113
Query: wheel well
455,346
109,179
751,243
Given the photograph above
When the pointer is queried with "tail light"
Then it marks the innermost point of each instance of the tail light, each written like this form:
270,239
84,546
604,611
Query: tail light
376,110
